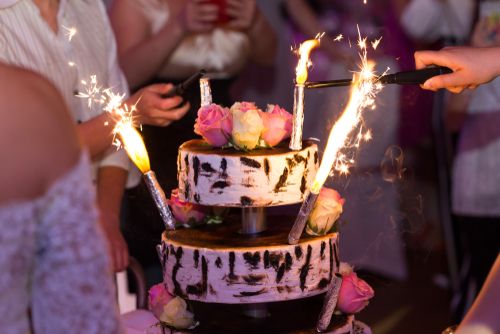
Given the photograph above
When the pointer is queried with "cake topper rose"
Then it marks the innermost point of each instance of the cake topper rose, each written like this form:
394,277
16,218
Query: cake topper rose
325,213
355,293
171,311
244,126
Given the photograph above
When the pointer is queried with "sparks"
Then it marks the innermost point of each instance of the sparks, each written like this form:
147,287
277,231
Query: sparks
362,96
304,61
375,43
338,38
70,32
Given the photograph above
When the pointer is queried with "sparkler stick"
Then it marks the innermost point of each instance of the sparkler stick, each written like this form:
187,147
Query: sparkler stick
135,148
329,304
362,96
205,92
298,92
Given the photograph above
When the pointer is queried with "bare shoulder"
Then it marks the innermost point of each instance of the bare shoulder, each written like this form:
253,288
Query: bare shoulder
38,142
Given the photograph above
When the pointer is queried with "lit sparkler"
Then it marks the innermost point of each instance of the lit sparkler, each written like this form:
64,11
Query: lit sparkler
362,97
126,135
298,92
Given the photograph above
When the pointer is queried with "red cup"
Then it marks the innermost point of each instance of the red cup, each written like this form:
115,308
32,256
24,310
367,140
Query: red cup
223,17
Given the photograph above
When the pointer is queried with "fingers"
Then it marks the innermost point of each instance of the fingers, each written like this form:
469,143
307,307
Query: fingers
451,81
160,88
426,58
161,117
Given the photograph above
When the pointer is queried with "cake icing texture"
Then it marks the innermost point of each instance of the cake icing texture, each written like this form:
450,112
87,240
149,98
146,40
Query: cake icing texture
239,269
266,177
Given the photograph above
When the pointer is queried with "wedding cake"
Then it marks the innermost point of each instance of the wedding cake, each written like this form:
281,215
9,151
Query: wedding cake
243,162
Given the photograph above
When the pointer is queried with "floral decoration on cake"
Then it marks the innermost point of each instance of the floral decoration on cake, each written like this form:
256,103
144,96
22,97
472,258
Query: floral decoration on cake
325,213
243,126
171,311
354,293
190,214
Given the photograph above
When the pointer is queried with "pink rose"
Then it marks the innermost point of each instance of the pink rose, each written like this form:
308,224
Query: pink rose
185,212
158,298
214,124
354,294
277,125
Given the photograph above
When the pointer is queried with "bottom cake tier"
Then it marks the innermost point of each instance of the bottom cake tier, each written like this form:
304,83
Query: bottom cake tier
217,264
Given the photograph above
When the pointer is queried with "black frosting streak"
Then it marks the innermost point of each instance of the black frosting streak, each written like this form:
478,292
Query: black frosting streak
281,273
246,201
178,256
282,180
196,258
304,271
266,259
303,184
316,158
207,167
323,246
288,261
291,163
196,167
186,160
250,162
220,185
197,198
298,252
251,293
252,259
275,259
253,279
218,263
323,283
200,289
187,190
223,168
299,159
336,253
267,168
232,258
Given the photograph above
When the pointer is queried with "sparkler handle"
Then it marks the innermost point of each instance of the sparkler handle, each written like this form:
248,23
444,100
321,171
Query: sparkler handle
329,304
298,118
159,199
301,220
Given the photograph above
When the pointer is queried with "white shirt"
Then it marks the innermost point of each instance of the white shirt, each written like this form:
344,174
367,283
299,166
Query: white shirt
222,52
430,20
26,40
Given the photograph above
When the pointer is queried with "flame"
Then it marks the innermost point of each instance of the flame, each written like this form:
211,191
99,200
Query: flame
304,62
133,144
362,96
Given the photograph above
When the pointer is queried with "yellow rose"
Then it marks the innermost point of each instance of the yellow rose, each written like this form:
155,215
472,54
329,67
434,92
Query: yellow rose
247,128
326,211
175,314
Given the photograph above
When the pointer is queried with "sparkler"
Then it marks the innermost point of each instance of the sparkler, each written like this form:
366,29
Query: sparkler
126,135
329,304
362,96
205,92
298,92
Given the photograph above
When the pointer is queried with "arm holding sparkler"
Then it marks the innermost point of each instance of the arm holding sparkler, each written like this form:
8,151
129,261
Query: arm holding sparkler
471,67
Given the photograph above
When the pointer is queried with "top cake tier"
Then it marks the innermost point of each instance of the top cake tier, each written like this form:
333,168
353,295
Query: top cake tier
230,178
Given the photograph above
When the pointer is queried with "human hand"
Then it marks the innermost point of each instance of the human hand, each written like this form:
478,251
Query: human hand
471,67
118,248
194,15
242,14
153,109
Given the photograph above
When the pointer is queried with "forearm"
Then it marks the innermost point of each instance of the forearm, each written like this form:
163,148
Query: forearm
110,187
263,41
96,134
142,61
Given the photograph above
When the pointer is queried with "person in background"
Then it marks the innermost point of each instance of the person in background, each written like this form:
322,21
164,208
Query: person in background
56,272
68,42
171,40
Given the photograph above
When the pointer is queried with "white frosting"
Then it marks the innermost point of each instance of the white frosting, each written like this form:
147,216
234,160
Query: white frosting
229,178
249,274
